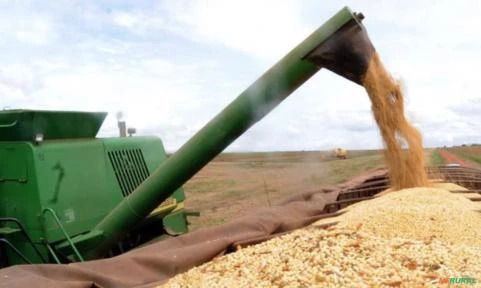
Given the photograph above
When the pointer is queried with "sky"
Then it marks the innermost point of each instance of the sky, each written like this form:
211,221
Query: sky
171,66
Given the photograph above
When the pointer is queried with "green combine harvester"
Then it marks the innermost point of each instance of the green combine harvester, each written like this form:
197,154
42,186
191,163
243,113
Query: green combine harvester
58,181
68,196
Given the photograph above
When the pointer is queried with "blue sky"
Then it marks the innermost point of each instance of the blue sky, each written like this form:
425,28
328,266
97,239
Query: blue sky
170,66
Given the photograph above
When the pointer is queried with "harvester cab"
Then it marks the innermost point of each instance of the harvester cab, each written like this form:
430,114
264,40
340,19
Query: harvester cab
79,197
57,181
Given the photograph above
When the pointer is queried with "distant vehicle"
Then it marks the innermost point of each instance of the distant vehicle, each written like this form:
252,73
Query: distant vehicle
452,165
340,153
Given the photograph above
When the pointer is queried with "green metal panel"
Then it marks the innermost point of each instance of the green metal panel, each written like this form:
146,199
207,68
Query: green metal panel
248,108
176,222
18,197
14,165
17,180
73,180
24,125
75,176
80,180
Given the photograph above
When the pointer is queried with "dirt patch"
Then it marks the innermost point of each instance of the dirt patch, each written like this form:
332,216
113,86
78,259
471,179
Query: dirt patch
470,154
452,159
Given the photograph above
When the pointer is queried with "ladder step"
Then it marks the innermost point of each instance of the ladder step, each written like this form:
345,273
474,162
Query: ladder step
9,230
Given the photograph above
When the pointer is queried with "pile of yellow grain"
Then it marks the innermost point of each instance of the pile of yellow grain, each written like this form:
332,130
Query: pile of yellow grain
417,213
411,238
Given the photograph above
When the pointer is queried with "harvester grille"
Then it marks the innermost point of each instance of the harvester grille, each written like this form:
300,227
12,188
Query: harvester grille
129,168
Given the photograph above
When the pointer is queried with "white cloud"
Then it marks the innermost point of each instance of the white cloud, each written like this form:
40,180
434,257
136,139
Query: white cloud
11,94
263,29
139,22
148,94
125,19
174,65
38,31
28,27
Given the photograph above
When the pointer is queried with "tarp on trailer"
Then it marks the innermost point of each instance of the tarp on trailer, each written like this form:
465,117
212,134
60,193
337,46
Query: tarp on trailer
154,264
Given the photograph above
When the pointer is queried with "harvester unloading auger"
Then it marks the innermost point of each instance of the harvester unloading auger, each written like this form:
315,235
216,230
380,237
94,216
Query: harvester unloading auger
340,45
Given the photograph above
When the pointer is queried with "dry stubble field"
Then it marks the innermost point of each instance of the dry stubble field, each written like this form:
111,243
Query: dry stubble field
235,183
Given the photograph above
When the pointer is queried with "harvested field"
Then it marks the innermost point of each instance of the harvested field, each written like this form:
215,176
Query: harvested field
435,158
235,182
471,155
